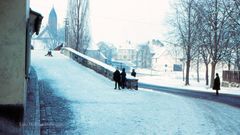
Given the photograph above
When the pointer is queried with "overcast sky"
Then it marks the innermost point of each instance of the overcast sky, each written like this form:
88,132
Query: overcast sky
44,7
116,20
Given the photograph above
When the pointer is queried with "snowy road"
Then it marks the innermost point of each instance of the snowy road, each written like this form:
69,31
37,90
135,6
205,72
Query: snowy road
96,108
229,99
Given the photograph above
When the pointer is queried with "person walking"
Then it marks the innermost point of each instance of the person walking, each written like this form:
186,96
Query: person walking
216,84
117,79
133,73
123,78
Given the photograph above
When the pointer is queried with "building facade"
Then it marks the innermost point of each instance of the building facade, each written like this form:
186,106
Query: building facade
126,52
17,27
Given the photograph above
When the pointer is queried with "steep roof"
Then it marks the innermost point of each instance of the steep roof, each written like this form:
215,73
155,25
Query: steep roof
52,21
52,14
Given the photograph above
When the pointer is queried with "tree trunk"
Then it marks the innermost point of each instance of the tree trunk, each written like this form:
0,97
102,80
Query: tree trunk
183,71
237,62
229,65
213,73
206,75
214,57
188,46
198,80
187,72
77,38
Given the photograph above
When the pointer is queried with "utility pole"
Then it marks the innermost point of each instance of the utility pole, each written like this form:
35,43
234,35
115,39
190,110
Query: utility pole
66,32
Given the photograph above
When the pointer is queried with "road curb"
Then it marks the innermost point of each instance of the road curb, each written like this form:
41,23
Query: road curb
229,99
31,124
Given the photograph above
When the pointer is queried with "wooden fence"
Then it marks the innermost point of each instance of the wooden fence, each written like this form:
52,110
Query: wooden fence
231,76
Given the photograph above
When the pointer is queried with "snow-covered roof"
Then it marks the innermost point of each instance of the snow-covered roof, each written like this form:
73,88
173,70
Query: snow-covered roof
160,51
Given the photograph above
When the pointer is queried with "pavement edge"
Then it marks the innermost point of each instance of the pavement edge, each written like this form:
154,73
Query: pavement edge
31,124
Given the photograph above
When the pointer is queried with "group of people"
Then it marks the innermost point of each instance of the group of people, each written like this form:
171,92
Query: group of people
120,78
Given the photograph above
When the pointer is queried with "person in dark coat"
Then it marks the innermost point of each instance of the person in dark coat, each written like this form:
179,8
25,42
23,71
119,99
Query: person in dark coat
49,53
117,79
133,73
216,84
123,78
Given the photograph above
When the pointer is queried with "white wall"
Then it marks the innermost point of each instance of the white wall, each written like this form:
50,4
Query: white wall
13,14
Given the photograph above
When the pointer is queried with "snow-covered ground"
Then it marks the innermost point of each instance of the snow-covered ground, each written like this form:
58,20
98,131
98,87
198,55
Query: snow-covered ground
99,109
175,79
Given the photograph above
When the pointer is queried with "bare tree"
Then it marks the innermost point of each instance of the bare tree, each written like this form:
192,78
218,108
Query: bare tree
215,38
144,56
218,20
186,24
216,35
203,38
78,17
233,12
108,49
204,42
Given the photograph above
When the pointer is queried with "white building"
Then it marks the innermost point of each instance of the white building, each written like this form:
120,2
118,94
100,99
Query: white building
163,60
126,52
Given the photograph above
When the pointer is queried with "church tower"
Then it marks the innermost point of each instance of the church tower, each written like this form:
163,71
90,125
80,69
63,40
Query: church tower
52,23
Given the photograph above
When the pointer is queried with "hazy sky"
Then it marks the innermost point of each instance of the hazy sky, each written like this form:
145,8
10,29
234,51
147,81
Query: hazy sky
44,7
116,20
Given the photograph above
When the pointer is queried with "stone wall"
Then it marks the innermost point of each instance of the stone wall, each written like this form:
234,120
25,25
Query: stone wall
89,62
98,66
